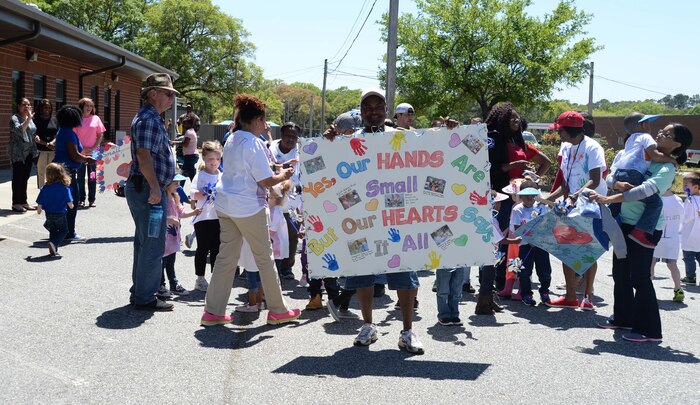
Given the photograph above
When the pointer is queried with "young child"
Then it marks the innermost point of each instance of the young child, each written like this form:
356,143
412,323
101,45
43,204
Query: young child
690,228
631,164
206,224
255,291
530,256
55,198
669,245
176,211
278,223
449,293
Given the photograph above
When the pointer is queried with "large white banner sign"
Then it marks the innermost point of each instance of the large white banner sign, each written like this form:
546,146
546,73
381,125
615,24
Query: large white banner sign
397,201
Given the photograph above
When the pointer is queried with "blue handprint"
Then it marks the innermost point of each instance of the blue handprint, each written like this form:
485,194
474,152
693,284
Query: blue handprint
394,235
331,262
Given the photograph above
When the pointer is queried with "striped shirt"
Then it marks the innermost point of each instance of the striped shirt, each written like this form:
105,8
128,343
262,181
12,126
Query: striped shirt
148,132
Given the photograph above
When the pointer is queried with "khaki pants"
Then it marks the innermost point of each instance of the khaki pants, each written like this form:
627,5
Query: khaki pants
45,157
255,230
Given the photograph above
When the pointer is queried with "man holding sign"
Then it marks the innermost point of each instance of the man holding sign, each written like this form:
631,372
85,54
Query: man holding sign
373,112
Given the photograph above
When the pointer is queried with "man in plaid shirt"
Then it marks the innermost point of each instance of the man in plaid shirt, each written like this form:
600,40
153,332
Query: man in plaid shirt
152,170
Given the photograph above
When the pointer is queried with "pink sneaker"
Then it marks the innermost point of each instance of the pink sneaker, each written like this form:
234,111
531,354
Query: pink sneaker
587,304
289,316
211,319
516,297
561,302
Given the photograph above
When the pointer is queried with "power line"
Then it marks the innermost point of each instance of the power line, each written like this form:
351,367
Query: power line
351,30
298,70
631,85
358,34
341,73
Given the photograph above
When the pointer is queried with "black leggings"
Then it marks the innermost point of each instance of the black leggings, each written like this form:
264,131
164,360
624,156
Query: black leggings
208,233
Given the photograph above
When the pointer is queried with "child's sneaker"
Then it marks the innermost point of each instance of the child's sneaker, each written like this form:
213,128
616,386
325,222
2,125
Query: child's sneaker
562,302
544,297
587,304
189,238
179,290
641,238
688,280
274,318
678,295
529,301
163,293
303,282
201,284
247,308
52,249
409,341
211,319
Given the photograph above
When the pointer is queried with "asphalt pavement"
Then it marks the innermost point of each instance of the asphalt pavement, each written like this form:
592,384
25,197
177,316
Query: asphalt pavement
68,335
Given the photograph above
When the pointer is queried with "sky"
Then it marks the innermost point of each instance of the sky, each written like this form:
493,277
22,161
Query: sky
650,46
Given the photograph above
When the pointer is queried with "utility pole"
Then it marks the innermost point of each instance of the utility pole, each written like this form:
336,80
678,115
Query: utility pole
590,92
323,94
311,118
392,44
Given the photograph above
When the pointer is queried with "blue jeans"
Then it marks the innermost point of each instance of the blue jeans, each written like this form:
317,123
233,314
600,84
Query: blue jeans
253,280
147,265
188,166
74,192
449,291
169,270
92,182
689,259
533,256
57,225
652,204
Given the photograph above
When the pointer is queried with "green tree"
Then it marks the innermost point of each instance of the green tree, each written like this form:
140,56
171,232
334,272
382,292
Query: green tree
457,54
297,98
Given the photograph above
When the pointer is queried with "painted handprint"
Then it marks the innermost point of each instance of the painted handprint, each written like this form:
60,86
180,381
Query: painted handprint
478,199
434,260
358,146
397,140
588,259
394,235
331,262
316,224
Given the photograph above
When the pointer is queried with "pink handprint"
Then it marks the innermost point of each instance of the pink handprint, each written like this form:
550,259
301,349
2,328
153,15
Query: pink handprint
316,223
478,199
358,146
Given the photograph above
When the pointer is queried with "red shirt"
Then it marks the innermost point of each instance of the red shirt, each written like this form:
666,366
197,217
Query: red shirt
515,152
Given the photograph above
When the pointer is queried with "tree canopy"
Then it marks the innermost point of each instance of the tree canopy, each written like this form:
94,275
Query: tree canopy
462,55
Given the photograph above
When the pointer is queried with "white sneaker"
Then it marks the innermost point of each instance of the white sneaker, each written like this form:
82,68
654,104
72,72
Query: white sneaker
247,308
303,282
201,284
409,342
347,314
367,335
163,293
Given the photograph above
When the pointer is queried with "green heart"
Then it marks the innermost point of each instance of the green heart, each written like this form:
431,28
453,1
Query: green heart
462,240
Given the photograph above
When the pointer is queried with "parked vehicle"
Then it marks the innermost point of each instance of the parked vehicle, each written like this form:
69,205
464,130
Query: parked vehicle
530,138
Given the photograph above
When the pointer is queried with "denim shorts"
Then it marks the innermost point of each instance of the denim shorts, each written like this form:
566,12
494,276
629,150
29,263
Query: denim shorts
253,278
397,281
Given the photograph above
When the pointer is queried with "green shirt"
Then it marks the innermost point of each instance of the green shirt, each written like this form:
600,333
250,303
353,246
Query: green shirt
662,175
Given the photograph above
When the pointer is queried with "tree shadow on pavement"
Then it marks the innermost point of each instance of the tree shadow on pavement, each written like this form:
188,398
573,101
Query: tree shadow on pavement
645,350
124,317
352,363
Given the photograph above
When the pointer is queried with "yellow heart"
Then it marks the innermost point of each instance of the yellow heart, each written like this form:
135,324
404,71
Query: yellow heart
372,205
459,188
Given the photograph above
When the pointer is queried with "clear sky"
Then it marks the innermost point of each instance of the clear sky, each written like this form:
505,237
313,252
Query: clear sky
649,44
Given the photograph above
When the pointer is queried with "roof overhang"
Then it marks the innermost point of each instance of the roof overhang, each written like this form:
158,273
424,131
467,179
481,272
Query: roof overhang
61,39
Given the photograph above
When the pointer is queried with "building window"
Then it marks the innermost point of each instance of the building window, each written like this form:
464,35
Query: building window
60,93
39,90
17,88
117,109
107,114
95,96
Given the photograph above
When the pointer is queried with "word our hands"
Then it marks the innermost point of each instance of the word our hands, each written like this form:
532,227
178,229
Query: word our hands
316,224
394,235
397,140
331,262
358,146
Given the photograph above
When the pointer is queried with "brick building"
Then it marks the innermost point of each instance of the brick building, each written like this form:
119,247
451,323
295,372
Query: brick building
44,57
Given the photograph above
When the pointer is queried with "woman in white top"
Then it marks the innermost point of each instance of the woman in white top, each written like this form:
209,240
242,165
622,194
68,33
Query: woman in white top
241,205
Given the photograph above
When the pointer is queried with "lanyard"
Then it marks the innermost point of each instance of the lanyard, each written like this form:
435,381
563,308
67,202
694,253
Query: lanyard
570,164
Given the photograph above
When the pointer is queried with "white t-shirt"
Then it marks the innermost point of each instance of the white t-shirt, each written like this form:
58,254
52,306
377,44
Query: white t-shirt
634,156
247,160
690,229
281,157
520,215
670,243
199,183
578,160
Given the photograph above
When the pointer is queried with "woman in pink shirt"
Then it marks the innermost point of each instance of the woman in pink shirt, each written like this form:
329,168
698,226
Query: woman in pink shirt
90,136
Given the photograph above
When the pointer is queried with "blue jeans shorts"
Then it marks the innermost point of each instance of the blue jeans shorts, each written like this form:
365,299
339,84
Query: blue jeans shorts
396,281
253,278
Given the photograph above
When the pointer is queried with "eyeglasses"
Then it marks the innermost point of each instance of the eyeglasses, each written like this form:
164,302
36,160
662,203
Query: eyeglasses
168,93
666,134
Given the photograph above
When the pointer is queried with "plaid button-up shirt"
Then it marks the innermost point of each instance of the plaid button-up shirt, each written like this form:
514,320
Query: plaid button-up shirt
148,132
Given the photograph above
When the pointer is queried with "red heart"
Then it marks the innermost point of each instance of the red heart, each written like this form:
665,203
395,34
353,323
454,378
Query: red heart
568,235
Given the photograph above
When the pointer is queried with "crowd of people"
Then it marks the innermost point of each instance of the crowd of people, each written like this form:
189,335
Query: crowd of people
245,201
